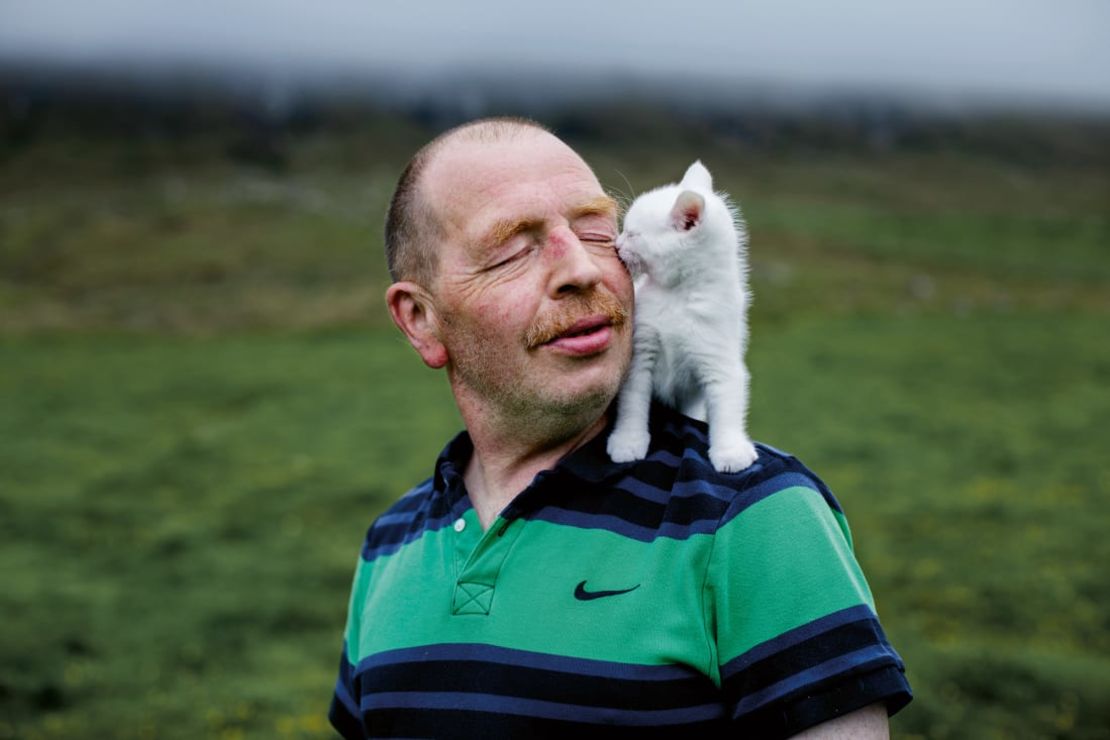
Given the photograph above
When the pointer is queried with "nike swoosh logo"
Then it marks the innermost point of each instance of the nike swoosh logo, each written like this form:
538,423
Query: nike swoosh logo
582,594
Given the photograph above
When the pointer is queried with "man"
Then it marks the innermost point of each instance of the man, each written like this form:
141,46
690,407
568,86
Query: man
533,587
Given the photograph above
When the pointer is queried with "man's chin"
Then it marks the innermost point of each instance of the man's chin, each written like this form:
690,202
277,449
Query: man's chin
592,382
585,398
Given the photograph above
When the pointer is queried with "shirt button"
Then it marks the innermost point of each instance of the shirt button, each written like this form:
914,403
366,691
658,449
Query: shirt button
460,524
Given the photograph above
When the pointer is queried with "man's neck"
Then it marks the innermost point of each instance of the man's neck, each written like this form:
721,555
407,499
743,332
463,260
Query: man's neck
505,460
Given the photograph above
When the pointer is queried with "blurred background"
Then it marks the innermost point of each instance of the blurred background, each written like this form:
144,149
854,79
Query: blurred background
203,404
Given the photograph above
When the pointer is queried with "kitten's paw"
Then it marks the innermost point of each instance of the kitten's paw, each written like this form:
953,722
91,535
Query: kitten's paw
733,456
628,446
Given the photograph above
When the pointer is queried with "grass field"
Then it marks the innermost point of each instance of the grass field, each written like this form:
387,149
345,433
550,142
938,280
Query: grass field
202,407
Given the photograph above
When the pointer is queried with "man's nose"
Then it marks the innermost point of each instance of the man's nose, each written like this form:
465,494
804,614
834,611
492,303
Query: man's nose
573,267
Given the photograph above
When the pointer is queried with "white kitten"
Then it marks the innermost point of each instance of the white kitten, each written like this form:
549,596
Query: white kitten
686,249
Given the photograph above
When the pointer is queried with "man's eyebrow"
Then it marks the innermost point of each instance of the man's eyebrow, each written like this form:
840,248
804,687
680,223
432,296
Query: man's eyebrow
505,229
601,205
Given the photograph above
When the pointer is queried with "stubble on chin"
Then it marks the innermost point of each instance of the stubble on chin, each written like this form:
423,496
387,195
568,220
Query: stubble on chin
539,395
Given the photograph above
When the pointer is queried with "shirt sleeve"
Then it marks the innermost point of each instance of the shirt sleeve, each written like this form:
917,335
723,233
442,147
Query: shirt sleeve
344,713
797,637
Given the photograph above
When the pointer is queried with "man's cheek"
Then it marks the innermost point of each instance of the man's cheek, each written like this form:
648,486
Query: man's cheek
619,281
510,316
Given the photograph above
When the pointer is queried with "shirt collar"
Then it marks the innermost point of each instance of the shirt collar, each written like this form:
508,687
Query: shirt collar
589,463
450,466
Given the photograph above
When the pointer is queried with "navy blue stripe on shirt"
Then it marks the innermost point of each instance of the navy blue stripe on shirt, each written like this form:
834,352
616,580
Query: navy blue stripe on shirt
344,713
680,484
815,657
674,493
635,510
345,698
822,703
695,507
790,639
398,688
461,676
494,704
625,528
526,658
407,527
446,724
864,660
346,724
678,427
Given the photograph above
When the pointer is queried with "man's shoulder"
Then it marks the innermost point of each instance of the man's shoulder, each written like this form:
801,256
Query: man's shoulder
390,530
680,455
430,505
409,502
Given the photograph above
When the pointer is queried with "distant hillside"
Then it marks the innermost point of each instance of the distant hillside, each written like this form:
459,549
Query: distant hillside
256,114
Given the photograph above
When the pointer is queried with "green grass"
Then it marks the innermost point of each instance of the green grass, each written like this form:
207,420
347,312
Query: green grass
970,456
202,407
181,516
185,517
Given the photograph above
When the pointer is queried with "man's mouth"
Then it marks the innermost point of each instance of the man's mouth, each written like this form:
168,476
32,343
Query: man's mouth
579,326
584,337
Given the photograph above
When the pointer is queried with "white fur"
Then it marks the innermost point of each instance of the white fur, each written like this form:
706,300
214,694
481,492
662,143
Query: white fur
686,248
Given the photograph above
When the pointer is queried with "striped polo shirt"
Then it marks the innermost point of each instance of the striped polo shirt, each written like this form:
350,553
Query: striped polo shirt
658,597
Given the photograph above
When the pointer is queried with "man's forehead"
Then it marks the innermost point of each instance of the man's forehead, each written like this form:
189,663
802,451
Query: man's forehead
471,181
473,155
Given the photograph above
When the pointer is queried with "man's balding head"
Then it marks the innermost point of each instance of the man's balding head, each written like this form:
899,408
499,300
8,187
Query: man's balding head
412,225
502,246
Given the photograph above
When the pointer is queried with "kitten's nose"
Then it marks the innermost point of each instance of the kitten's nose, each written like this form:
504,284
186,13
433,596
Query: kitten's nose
625,237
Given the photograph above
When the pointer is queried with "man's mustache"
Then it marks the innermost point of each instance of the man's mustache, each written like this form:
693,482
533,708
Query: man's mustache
570,312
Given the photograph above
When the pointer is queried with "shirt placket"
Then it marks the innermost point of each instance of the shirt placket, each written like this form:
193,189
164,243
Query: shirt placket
479,557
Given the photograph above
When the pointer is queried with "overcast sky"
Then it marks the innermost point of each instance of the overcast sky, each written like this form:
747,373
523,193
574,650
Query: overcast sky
1041,49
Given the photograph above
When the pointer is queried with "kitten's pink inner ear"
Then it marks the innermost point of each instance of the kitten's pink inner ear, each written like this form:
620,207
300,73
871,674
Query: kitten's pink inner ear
687,211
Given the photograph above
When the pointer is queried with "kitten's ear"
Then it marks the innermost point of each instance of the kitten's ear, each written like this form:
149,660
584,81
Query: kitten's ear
697,177
687,211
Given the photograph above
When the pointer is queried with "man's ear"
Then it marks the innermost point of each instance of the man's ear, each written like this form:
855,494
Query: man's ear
414,313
